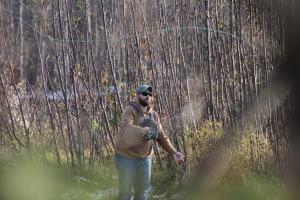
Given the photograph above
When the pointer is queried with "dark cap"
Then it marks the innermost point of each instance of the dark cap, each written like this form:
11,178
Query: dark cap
143,88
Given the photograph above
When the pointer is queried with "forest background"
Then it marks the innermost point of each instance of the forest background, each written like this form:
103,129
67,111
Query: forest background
69,67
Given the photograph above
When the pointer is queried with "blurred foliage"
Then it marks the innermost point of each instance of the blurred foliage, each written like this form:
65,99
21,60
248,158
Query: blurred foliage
256,190
252,155
94,124
250,174
200,142
31,178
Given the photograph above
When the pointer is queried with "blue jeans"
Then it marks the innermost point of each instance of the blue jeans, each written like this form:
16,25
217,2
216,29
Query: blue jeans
133,173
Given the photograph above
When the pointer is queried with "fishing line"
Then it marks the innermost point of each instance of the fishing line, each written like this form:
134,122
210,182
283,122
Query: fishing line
165,30
143,33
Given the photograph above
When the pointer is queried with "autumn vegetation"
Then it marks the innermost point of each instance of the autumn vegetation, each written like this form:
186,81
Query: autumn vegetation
69,67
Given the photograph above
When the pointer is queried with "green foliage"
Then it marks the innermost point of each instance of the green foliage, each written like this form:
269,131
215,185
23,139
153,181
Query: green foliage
161,180
251,155
256,190
201,141
114,121
94,124
28,177
249,176
131,92
31,178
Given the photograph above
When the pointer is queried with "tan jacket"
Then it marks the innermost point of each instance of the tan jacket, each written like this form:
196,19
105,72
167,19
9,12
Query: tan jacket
130,142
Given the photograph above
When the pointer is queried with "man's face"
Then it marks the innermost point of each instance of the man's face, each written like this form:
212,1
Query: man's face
144,98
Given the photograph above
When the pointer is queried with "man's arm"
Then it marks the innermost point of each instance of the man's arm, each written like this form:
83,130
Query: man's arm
162,138
165,143
127,125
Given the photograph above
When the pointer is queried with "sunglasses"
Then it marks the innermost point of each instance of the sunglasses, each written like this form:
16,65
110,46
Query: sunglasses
146,94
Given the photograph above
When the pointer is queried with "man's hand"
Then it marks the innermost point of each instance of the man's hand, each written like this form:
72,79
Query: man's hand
146,130
178,157
149,134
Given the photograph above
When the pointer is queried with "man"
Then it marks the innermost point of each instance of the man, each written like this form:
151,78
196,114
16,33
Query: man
134,145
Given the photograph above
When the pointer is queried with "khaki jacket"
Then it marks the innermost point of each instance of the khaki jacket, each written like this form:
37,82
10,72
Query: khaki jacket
130,142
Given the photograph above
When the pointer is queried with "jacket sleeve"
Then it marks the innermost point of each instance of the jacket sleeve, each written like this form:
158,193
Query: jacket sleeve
162,138
127,123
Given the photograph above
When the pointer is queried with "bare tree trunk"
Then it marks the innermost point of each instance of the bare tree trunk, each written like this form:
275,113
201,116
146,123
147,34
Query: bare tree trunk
12,121
63,84
42,54
110,58
22,69
209,57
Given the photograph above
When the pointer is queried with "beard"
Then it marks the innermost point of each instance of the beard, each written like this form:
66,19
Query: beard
143,102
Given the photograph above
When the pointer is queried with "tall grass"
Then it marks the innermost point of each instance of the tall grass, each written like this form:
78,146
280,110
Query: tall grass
250,174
